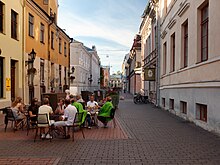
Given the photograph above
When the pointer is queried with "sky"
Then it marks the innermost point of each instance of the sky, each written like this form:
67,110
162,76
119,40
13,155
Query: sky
110,25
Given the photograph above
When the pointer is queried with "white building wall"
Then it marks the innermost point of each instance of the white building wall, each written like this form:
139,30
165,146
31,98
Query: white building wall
199,82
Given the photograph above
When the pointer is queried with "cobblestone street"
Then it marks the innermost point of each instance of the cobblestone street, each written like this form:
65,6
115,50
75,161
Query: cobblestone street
144,135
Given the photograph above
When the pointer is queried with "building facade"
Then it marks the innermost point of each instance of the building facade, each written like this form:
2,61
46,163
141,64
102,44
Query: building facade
11,51
86,64
149,30
116,81
49,70
105,77
134,66
190,60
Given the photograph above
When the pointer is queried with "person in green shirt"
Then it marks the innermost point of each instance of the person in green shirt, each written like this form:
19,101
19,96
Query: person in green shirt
105,112
79,108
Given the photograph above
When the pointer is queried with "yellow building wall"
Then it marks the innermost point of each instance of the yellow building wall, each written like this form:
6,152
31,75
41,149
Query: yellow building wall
57,57
11,49
34,42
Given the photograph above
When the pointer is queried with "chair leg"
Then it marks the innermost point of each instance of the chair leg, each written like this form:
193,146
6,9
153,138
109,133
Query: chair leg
73,134
82,132
6,125
36,134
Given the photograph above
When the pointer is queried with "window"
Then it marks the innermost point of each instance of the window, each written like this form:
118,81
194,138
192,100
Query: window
60,45
204,32
1,17
201,112
1,77
14,24
65,49
42,33
45,2
172,61
65,79
52,40
185,44
171,104
42,71
31,25
164,58
183,107
60,74
163,102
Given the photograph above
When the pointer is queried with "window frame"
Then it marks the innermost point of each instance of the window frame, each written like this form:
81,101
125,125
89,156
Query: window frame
183,107
202,112
2,17
14,25
52,40
65,49
1,77
164,58
204,22
171,104
185,44
31,25
42,33
60,45
42,67
173,49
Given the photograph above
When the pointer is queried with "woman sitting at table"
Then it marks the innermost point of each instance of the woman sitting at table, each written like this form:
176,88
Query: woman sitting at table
17,109
33,110
60,107
105,112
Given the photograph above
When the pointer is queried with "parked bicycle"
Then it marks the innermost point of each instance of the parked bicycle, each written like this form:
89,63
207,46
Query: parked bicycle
139,99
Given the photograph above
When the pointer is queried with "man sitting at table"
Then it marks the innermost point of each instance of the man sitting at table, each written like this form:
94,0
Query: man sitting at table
105,112
79,108
92,106
68,118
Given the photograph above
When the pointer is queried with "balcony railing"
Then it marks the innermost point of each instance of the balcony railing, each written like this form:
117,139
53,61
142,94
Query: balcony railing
151,58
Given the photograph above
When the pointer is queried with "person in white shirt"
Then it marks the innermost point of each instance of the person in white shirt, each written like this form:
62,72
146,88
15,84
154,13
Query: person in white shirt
45,109
68,118
92,107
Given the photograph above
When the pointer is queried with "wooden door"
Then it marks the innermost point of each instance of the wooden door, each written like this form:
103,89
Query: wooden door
13,74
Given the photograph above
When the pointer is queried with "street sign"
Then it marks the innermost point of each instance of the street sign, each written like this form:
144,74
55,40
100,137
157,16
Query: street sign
8,84
149,74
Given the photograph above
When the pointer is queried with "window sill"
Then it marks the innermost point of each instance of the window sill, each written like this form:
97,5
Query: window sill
2,32
42,42
31,36
15,39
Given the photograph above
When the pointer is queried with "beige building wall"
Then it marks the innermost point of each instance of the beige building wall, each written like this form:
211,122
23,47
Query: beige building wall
198,83
11,49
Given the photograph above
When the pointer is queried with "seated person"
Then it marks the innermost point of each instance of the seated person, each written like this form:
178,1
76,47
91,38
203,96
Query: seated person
79,108
68,118
45,109
33,110
17,109
105,112
92,107
60,107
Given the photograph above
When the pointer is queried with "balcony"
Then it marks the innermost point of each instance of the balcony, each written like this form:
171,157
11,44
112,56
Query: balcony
150,59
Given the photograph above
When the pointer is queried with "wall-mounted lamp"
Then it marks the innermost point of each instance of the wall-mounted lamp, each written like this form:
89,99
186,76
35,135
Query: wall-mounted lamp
32,56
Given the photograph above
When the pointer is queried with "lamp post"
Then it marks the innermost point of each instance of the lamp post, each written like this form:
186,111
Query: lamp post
31,72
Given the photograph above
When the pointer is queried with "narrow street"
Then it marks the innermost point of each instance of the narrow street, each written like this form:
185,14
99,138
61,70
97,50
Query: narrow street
143,135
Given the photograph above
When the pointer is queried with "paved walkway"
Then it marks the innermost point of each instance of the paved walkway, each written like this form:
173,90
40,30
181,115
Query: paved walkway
144,135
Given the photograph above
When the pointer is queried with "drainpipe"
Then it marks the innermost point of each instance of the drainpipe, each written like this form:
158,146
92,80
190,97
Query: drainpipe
158,57
51,22
23,3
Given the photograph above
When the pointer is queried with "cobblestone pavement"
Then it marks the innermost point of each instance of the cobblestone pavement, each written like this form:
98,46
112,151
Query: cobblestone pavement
144,135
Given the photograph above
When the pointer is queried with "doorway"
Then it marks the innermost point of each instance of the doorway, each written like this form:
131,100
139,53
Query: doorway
13,79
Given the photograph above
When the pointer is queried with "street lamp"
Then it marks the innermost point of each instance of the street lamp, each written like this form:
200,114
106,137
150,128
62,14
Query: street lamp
90,79
31,72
